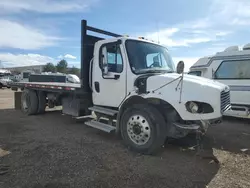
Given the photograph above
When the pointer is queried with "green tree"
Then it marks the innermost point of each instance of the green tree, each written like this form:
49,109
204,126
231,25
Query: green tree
49,67
62,66
74,70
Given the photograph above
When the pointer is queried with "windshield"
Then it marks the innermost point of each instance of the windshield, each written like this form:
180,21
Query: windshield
147,57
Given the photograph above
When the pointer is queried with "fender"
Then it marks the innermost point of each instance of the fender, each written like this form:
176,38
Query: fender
134,98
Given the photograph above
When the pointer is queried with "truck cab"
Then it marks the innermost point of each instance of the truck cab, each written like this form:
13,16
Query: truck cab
124,68
131,75
230,67
132,87
119,63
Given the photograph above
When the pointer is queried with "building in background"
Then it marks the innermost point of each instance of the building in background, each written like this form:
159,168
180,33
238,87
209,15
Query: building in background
33,68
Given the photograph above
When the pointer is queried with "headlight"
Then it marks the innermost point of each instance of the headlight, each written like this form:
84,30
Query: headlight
193,107
199,107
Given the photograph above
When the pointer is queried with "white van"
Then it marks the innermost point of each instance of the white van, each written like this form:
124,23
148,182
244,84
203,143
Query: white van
231,67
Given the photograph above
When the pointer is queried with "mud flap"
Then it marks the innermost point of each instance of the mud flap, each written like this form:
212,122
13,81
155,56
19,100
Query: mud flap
17,98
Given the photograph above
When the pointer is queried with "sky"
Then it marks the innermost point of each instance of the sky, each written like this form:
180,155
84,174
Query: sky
40,31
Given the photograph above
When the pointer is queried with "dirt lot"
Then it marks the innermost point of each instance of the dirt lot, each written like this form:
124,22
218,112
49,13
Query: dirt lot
55,151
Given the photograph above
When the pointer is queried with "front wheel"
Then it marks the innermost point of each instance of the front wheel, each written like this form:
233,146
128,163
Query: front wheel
143,128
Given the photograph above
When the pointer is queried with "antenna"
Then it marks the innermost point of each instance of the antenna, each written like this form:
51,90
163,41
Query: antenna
157,26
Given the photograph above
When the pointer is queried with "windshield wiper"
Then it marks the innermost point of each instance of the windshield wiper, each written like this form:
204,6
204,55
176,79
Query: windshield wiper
154,71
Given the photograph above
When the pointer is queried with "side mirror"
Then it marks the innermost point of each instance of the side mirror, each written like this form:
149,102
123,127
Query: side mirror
180,67
104,61
105,70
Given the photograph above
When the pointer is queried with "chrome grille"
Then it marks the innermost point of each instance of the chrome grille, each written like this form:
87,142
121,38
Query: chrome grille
225,100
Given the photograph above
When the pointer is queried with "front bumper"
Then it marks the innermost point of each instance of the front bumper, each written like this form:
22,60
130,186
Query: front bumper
201,125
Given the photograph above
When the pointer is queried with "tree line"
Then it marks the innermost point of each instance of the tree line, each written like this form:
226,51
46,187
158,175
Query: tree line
62,67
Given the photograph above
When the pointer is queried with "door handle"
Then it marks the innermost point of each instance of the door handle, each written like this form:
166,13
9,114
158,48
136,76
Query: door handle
113,77
97,87
116,76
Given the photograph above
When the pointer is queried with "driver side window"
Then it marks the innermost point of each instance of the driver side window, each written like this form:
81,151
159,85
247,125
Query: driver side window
114,58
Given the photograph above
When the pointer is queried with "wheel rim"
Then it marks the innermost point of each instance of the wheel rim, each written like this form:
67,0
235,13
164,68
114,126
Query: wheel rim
138,129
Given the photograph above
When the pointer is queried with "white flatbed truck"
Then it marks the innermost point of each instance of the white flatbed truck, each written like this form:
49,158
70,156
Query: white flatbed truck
134,84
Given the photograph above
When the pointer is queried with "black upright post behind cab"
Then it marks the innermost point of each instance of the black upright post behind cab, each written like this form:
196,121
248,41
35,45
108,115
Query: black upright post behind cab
87,51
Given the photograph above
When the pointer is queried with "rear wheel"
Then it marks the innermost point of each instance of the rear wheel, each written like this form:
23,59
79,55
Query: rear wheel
41,102
29,102
143,128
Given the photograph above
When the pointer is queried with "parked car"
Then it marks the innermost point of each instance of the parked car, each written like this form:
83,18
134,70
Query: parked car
4,78
4,81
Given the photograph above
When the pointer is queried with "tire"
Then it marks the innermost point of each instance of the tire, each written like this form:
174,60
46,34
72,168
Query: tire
1,86
41,102
148,136
29,102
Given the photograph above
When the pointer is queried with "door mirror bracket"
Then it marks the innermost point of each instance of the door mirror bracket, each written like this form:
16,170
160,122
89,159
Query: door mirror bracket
105,70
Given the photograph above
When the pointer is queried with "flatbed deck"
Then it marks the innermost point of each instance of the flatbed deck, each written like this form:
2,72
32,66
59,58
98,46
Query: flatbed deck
46,85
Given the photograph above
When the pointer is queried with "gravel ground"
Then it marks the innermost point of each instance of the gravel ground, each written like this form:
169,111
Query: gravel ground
55,151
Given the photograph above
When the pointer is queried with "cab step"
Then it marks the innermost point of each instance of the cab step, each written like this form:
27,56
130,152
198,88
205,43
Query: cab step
101,126
103,110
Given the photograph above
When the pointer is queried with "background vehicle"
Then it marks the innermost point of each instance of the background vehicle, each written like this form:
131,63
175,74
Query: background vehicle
4,72
132,82
4,78
23,76
54,77
4,81
231,67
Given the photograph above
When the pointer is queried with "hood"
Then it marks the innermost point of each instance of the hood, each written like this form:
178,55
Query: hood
168,87
189,80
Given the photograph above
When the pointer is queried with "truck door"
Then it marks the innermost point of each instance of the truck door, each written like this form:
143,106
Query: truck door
109,75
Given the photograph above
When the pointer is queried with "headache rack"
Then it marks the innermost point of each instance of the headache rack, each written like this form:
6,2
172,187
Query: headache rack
87,49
